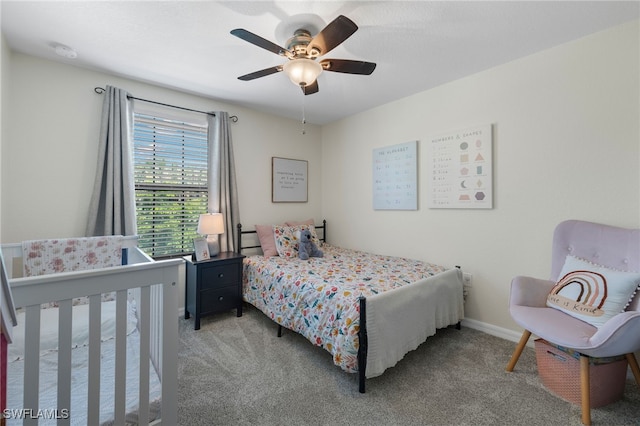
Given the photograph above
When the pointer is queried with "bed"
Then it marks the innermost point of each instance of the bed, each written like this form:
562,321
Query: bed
95,336
367,310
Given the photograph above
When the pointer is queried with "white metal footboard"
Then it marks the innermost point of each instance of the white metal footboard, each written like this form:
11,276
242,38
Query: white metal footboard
155,289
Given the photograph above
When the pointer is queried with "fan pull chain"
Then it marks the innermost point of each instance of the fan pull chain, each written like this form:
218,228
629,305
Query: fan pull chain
304,119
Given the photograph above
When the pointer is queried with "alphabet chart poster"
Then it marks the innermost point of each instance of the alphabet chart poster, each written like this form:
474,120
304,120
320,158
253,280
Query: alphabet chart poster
460,169
395,177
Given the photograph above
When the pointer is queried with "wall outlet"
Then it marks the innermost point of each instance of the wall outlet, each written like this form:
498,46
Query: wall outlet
466,278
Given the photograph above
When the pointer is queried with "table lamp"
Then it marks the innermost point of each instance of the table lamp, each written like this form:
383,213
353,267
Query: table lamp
211,225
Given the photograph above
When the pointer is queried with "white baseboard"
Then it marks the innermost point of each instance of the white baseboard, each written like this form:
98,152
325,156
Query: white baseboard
503,333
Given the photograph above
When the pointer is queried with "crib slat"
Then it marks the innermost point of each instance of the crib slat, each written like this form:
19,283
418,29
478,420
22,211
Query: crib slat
156,328
121,358
93,394
169,349
143,327
31,361
64,358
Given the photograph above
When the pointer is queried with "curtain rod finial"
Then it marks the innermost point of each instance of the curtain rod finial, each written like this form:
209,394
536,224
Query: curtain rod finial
99,90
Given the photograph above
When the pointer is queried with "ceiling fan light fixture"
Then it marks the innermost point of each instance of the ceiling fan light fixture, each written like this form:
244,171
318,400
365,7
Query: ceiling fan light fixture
302,50
302,72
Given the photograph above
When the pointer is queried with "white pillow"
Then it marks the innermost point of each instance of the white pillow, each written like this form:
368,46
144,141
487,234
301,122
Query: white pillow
592,293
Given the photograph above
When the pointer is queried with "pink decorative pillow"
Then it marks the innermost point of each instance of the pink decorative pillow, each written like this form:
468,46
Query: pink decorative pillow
267,240
309,222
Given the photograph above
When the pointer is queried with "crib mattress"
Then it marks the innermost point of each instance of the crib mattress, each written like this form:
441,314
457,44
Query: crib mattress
80,378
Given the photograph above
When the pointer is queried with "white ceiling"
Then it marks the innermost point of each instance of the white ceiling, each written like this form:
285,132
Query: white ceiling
187,46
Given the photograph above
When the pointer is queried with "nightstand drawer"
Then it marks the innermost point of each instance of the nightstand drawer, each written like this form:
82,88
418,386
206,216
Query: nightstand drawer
219,276
218,300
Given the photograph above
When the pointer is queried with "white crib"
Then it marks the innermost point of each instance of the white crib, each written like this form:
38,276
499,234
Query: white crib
151,287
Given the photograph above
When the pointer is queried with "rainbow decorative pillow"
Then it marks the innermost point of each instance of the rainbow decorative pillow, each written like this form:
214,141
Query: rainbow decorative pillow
592,293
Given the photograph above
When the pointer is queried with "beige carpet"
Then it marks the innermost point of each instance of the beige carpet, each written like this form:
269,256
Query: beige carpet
235,371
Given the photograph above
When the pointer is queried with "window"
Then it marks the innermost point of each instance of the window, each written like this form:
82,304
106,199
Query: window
170,171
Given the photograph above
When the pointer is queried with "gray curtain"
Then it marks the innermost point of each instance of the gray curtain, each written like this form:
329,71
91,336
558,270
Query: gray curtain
112,210
223,191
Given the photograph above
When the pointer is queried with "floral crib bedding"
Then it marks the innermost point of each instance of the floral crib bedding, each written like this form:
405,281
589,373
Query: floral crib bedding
52,256
42,257
318,298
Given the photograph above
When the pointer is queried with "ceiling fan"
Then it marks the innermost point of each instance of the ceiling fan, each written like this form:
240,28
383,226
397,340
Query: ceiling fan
302,52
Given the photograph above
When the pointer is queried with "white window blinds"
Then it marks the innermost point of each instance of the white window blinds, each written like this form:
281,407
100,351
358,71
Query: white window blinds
170,167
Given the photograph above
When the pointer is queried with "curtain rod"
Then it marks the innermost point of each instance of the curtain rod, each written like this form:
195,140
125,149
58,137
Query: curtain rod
100,90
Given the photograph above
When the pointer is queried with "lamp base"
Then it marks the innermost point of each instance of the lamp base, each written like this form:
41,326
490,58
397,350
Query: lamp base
214,246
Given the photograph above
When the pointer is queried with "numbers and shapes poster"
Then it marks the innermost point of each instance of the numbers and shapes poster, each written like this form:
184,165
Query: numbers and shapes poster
460,171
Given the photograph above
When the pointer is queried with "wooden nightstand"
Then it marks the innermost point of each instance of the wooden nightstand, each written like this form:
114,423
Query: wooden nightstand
213,285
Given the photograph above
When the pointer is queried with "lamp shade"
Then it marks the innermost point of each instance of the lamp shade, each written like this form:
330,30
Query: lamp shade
210,224
302,72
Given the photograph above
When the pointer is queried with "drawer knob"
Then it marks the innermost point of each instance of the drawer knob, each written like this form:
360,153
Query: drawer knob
220,275
220,298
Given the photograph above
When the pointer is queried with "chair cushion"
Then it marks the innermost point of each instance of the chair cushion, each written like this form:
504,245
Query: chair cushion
592,293
554,326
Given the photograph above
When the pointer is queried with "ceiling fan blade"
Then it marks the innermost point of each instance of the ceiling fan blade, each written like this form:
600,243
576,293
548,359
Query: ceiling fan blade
332,35
261,73
311,88
259,41
348,66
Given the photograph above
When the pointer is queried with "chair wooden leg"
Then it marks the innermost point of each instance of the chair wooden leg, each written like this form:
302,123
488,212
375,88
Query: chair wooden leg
516,354
585,387
633,363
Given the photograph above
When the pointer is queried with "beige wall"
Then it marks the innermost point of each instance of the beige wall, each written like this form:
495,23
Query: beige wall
50,152
565,146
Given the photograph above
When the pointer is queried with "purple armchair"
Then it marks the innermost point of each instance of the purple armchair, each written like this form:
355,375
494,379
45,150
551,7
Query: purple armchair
612,247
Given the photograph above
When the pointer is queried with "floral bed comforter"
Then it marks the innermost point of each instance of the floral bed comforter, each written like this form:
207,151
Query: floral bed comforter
318,298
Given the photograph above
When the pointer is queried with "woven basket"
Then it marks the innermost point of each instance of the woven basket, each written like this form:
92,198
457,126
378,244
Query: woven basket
559,370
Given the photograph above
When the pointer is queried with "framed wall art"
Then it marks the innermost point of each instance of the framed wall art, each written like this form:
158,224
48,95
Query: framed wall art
289,180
